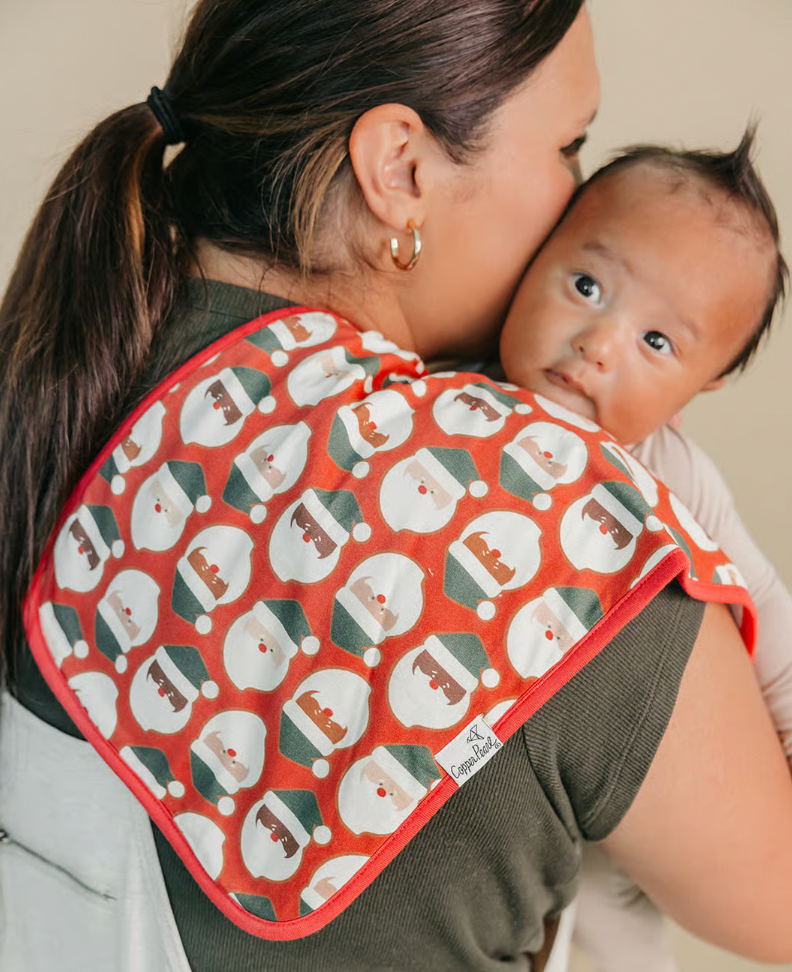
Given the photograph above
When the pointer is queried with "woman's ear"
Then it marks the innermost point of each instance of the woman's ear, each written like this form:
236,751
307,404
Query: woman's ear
715,384
390,148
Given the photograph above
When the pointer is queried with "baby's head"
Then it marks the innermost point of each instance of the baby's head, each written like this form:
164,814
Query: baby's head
660,279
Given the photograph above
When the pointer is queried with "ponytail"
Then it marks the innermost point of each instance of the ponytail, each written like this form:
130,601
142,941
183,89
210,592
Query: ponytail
96,277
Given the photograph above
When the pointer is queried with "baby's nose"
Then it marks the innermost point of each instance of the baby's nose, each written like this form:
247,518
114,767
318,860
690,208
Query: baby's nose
598,343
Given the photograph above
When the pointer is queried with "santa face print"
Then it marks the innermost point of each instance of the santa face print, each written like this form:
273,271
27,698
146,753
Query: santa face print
80,553
272,464
228,756
137,448
214,570
422,692
206,840
469,411
127,615
273,839
594,536
255,655
625,461
694,530
371,800
412,498
158,517
546,628
98,695
303,330
215,410
330,878
159,699
321,376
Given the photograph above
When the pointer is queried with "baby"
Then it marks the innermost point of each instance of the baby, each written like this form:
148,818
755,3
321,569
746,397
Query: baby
661,279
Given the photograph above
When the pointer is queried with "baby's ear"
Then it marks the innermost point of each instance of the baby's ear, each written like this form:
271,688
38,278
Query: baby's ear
715,384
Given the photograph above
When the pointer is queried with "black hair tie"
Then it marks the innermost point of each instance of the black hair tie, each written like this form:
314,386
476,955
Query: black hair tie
162,109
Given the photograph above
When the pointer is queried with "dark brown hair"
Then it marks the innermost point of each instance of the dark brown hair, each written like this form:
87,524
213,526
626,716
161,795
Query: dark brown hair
267,94
732,174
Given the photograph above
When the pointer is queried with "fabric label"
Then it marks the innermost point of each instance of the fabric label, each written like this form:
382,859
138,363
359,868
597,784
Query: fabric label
469,750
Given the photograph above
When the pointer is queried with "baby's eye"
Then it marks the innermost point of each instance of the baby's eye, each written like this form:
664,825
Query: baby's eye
587,287
658,342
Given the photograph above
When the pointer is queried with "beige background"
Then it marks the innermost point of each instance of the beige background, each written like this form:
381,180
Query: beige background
684,71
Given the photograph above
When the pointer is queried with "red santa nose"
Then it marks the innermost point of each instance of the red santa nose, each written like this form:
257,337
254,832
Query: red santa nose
158,508
274,837
422,489
214,569
307,537
549,635
262,646
128,612
433,685
161,692
216,405
548,455
231,753
81,549
381,598
327,712
496,554
603,529
270,458
381,791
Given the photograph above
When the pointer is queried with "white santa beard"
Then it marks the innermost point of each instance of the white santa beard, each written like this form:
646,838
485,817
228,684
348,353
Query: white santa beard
362,809
294,559
97,694
587,547
206,840
309,384
415,703
150,529
248,667
263,856
456,418
152,710
530,650
204,424
71,567
404,508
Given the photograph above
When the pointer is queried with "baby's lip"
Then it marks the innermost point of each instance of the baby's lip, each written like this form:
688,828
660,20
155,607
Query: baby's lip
563,380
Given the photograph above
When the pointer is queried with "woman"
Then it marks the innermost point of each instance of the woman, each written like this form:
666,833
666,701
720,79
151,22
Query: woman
323,144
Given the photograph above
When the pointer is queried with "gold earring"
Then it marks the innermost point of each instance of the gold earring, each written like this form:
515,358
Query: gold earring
394,248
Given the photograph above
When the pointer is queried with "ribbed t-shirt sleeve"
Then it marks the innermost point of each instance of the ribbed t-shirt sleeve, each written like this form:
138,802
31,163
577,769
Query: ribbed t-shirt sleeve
592,744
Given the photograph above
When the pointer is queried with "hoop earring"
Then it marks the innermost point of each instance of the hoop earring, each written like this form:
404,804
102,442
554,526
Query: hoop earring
394,248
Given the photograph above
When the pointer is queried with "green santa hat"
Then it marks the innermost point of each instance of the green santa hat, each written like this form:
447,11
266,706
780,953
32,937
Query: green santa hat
454,469
578,609
272,342
256,905
101,528
299,812
152,767
185,602
412,767
302,741
680,540
62,631
287,621
615,460
184,667
346,445
627,506
213,782
250,389
184,482
468,582
337,513
462,655
246,495
354,629
522,476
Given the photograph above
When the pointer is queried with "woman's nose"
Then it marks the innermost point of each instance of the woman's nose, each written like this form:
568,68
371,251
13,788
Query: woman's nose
598,343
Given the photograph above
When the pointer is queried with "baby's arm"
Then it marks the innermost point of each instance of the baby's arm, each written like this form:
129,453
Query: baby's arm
692,475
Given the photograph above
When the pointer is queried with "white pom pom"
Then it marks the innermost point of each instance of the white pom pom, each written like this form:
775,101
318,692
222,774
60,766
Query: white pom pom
478,488
486,610
310,645
210,690
176,789
321,768
203,503
361,532
420,367
118,485
118,548
542,501
368,384
371,657
419,388
523,409
490,677
81,649
203,624
258,513
360,470
121,664
279,358
653,524
267,405
226,806
322,834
